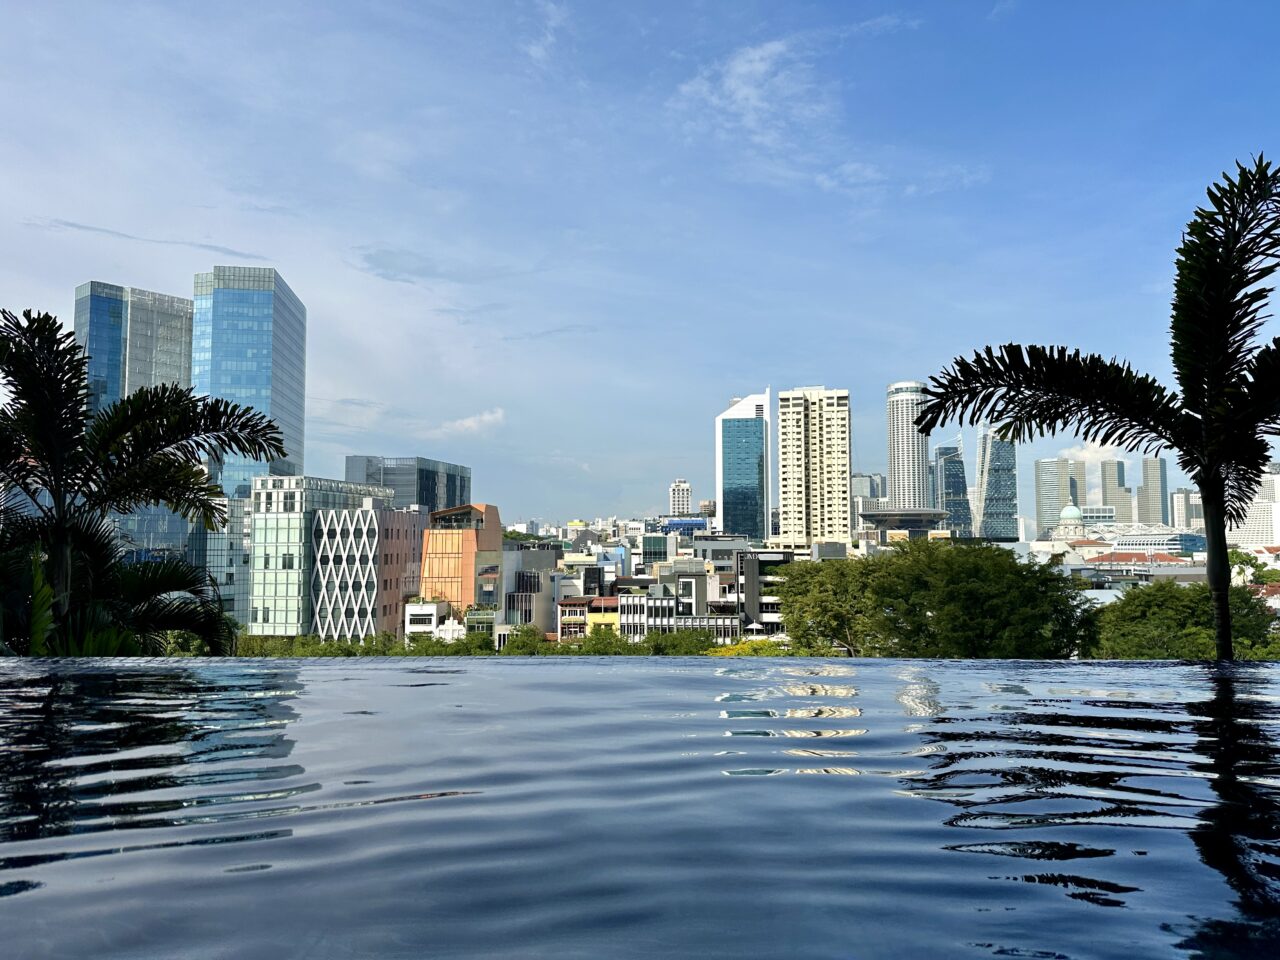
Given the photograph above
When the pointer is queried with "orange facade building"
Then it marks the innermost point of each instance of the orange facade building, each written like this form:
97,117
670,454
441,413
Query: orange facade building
462,556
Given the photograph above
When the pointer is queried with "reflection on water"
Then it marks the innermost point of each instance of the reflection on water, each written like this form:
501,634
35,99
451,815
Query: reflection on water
591,808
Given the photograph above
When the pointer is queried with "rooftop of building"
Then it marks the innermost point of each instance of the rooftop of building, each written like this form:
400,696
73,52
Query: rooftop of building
1136,556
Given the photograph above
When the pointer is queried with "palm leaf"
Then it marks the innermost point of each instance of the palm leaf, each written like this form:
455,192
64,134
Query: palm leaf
1228,250
46,375
159,596
138,442
40,621
1034,391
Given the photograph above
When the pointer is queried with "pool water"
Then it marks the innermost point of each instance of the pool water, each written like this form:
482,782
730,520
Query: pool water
626,808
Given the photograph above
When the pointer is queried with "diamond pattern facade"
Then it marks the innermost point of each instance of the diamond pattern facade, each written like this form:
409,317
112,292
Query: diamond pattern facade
365,565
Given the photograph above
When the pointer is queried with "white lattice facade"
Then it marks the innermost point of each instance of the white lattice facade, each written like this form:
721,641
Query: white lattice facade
282,558
366,563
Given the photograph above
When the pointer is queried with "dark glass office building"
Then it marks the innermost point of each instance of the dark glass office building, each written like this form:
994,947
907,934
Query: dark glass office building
997,488
745,468
431,484
953,491
249,346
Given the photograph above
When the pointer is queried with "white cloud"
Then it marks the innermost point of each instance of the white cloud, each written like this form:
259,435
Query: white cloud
780,120
348,417
765,93
476,423
1002,9
1092,454
554,17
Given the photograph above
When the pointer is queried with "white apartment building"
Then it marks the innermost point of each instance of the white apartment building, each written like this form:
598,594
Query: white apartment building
680,498
813,466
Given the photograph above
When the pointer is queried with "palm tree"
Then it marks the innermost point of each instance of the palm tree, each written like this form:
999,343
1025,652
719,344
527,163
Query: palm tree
65,471
1229,405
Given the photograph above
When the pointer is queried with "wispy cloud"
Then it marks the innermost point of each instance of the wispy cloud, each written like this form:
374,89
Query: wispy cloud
955,176
402,265
56,224
548,332
770,104
766,93
553,16
476,423
341,417
1002,8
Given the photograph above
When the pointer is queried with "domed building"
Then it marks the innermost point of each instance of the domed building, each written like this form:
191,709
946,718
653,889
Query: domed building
1070,524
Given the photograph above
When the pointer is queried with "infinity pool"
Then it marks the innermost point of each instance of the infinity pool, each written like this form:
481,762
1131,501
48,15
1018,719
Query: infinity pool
637,808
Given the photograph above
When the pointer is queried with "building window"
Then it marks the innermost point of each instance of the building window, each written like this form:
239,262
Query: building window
286,561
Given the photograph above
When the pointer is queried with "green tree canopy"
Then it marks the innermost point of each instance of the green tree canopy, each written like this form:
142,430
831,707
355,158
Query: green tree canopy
681,643
1170,621
936,599
526,640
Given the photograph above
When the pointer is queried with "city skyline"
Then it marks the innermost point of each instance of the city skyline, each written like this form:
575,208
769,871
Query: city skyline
791,192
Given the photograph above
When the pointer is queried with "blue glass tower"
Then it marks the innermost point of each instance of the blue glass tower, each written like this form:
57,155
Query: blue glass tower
136,338
249,346
742,468
100,331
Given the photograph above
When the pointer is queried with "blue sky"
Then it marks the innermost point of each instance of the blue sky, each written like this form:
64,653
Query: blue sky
551,240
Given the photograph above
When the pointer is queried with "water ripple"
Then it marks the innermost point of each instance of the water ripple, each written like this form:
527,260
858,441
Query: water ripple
586,808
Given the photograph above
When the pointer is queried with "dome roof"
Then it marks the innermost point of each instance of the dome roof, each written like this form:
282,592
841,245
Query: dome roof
1070,514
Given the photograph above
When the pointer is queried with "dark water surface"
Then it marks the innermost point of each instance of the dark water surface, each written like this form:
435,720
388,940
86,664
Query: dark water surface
638,808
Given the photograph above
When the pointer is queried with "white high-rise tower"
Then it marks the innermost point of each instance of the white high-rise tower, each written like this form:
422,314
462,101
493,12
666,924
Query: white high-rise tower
908,448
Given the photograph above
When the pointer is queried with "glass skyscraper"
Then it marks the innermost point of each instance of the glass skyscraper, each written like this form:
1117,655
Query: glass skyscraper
249,346
742,467
953,491
136,338
997,500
